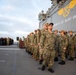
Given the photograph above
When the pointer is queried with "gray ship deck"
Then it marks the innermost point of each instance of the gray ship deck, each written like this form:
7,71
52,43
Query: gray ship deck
15,61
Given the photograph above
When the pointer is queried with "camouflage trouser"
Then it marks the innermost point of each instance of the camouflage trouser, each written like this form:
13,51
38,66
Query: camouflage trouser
67,50
36,52
24,44
40,53
27,47
56,53
48,58
62,53
71,51
32,49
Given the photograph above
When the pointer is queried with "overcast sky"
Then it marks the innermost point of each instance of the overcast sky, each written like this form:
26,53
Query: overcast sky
20,17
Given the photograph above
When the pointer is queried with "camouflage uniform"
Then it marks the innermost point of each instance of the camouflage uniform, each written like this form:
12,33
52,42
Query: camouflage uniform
24,40
56,44
35,45
71,46
28,43
43,33
38,42
32,42
63,45
49,52
67,50
38,36
41,47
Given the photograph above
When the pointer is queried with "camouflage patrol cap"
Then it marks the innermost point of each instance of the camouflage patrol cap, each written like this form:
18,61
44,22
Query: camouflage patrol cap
38,29
65,31
70,31
46,24
32,33
35,30
62,31
55,30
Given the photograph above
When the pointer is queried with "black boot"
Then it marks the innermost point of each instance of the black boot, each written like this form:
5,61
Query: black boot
28,52
31,53
62,63
66,56
71,59
40,62
42,68
56,59
75,57
51,70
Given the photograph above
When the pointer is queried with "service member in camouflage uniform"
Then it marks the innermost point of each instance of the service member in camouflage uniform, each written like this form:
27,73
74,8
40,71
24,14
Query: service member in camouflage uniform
41,46
63,46
56,44
35,45
30,47
28,43
67,51
38,42
32,43
49,52
25,41
71,46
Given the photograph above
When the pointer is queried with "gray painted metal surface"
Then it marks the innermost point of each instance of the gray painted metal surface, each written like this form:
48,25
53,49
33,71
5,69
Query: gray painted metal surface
64,18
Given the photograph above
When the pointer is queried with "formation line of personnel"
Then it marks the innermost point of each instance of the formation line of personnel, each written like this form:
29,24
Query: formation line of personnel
6,41
46,46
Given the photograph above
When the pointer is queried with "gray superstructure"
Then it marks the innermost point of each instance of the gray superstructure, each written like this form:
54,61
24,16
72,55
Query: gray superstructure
62,14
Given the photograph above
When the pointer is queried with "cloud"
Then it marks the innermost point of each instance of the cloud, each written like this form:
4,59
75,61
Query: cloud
19,19
12,1
35,5
4,23
21,23
21,32
4,32
8,8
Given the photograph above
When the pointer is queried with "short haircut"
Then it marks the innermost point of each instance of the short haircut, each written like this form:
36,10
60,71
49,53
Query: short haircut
51,24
